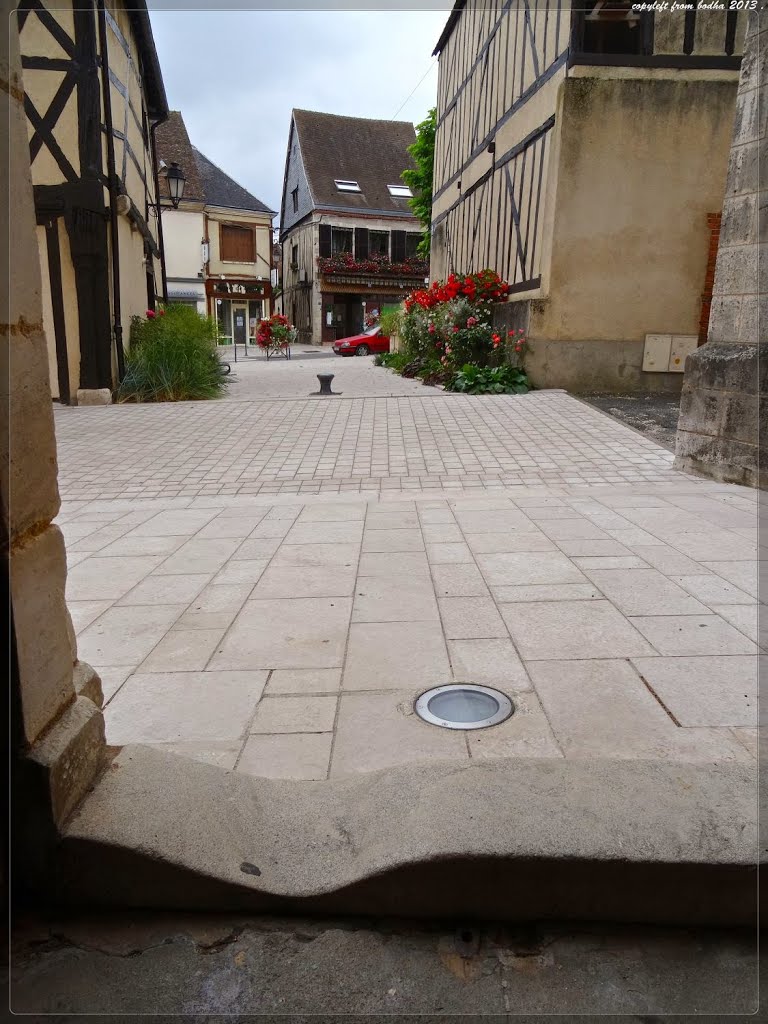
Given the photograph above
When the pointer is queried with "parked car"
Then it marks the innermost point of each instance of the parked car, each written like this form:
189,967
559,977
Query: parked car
371,340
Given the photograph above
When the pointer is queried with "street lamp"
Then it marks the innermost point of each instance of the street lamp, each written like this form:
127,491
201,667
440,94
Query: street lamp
176,183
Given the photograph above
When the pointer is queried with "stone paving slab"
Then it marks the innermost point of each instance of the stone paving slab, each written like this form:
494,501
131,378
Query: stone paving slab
304,662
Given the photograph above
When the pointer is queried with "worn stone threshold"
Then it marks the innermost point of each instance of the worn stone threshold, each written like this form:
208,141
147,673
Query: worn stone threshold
523,839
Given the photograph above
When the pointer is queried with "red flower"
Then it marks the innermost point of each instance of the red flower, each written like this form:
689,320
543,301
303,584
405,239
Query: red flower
150,314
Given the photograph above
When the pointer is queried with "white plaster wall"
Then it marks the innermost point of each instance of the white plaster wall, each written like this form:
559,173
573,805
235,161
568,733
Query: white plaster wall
183,231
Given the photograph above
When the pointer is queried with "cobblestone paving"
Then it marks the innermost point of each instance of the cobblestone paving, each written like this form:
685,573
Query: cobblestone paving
428,440
529,543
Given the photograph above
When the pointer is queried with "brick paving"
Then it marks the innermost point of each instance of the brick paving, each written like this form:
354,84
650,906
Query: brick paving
528,543
421,440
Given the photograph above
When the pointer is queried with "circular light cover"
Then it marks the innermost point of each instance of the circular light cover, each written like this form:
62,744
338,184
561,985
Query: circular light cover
463,706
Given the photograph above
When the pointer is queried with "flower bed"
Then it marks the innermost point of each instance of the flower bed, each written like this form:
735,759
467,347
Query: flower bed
448,337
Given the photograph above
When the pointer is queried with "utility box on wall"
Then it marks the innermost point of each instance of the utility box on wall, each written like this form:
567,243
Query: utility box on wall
666,353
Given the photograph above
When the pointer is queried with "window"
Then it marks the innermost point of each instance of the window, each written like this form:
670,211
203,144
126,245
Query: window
295,198
346,186
411,244
611,26
378,242
295,257
237,244
400,191
341,240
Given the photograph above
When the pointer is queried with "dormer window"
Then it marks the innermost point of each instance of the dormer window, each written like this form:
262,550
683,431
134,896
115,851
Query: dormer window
346,186
400,191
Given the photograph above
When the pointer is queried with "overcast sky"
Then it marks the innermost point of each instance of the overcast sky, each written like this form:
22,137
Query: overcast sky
236,75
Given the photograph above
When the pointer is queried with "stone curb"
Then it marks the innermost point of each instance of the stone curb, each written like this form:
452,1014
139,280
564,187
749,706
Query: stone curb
514,839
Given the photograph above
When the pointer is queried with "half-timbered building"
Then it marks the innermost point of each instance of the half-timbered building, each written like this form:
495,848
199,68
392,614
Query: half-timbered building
581,152
347,233
93,97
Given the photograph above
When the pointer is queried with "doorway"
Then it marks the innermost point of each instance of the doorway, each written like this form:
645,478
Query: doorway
240,323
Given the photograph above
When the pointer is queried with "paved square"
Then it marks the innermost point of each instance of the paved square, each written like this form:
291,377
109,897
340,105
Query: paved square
271,587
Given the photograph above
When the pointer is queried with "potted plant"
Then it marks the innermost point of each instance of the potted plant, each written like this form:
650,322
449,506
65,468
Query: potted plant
276,335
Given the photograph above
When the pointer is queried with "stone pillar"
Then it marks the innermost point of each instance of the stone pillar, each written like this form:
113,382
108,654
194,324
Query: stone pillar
57,726
726,378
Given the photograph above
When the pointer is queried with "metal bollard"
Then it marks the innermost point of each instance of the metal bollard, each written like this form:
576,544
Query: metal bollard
325,383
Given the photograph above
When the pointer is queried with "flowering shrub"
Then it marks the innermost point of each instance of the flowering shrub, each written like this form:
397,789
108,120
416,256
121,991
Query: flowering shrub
376,263
483,288
277,330
447,329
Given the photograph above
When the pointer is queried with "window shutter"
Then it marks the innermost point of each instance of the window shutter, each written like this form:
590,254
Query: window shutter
237,244
398,246
325,240
362,247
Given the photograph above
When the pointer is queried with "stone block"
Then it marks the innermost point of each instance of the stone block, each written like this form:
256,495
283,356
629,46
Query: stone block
726,460
746,122
743,166
736,272
67,760
27,467
753,309
72,635
94,396
738,224
10,64
87,683
724,319
739,415
38,574
725,367
22,298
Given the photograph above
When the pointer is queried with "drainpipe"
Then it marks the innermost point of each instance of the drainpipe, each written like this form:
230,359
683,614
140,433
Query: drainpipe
112,179
158,207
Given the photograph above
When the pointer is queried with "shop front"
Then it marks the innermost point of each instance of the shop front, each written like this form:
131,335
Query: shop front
237,307
345,312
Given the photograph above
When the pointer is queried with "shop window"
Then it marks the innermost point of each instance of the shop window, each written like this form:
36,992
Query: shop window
378,242
341,240
412,242
237,244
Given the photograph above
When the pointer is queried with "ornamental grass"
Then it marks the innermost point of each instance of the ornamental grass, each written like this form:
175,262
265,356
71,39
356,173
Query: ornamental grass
172,358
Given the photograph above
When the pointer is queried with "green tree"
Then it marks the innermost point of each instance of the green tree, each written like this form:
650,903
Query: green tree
419,178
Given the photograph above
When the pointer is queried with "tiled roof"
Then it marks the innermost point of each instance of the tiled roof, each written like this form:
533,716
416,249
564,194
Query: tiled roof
372,153
221,190
173,145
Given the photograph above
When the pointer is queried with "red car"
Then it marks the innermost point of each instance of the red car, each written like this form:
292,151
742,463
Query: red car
371,340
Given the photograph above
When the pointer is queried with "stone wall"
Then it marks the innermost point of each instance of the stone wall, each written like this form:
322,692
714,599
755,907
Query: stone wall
57,731
726,379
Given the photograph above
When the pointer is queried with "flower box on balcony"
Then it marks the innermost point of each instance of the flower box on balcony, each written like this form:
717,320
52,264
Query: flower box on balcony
376,264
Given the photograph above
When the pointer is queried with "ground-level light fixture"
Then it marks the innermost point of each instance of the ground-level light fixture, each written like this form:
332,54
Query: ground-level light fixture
464,706
176,183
